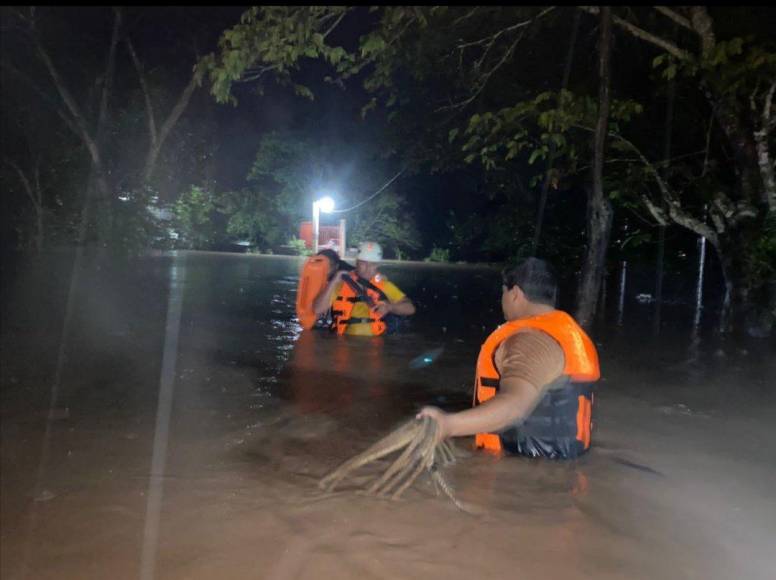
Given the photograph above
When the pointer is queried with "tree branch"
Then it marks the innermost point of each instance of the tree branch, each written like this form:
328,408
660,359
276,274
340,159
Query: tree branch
78,119
460,19
25,183
669,47
146,93
62,114
675,16
108,82
336,23
703,26
708,145
493,37
761,138
675,210
484,80
169,123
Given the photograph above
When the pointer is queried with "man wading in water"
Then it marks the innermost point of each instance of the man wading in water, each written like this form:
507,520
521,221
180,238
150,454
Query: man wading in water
533,394
363,301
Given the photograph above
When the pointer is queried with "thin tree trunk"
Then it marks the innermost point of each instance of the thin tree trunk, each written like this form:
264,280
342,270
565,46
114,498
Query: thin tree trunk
167,126
553,148
157,137
35,196
659,269
38,212
92,141
599,209
661,248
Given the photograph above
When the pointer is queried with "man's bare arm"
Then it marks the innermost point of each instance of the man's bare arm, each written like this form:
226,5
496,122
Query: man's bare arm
515,401
403,307
529,362
322,302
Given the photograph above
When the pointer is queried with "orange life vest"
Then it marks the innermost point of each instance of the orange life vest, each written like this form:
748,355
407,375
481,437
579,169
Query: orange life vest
561,424
312,280
347,298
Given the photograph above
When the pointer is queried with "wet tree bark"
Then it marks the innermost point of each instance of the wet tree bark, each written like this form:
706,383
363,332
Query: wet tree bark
599,209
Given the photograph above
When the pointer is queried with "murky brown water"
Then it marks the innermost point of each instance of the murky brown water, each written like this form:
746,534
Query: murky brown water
680,483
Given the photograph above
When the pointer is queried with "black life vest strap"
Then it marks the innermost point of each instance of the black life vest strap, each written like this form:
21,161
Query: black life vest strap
493,383
360,285
374,288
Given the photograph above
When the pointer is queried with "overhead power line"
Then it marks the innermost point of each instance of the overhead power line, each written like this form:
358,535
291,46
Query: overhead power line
375,194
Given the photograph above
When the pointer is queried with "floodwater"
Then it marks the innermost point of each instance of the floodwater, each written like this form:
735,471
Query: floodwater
193,419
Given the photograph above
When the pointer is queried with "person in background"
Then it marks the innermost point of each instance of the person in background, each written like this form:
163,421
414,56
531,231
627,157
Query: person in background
363,301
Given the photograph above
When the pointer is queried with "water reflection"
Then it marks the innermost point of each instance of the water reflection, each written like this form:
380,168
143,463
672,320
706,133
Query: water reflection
235,470
163,415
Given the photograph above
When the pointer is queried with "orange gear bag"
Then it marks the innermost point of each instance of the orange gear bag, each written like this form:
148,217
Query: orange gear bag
312,280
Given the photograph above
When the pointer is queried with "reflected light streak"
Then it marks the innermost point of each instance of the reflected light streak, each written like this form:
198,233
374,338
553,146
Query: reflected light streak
163,412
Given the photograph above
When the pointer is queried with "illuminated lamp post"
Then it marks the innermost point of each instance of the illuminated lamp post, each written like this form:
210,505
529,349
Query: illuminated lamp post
325,205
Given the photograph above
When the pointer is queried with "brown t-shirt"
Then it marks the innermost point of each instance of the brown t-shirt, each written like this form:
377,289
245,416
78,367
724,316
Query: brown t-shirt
533,356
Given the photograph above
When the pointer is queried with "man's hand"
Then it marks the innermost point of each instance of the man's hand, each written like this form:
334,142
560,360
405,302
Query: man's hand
382,308
440,417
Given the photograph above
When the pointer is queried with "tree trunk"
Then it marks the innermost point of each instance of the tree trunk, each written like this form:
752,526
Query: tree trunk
660,268
35,195
746,297
553,149
599,209
78,122
740,222
661,249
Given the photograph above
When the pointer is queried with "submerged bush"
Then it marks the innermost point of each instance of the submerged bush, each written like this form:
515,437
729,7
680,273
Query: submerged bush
438,255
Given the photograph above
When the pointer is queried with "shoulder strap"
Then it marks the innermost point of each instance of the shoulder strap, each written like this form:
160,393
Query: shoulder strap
366,283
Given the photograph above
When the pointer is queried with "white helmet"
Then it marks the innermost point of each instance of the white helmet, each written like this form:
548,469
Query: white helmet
369,252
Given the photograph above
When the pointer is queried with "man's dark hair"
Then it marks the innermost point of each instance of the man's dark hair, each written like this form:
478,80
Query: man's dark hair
536,278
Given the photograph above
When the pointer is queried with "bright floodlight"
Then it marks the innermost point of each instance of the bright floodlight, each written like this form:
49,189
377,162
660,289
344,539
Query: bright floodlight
326,204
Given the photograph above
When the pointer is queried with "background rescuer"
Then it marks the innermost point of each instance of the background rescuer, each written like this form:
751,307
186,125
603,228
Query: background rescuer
361,300
535,373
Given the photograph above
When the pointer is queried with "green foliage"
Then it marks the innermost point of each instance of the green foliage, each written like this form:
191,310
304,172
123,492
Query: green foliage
196,217
438,255
299,246
733,67
290,171
386,220
136,228
272,41
287,173
530,129
497,117
251,215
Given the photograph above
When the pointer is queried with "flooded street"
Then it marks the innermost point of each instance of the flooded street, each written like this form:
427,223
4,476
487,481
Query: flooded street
203,347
